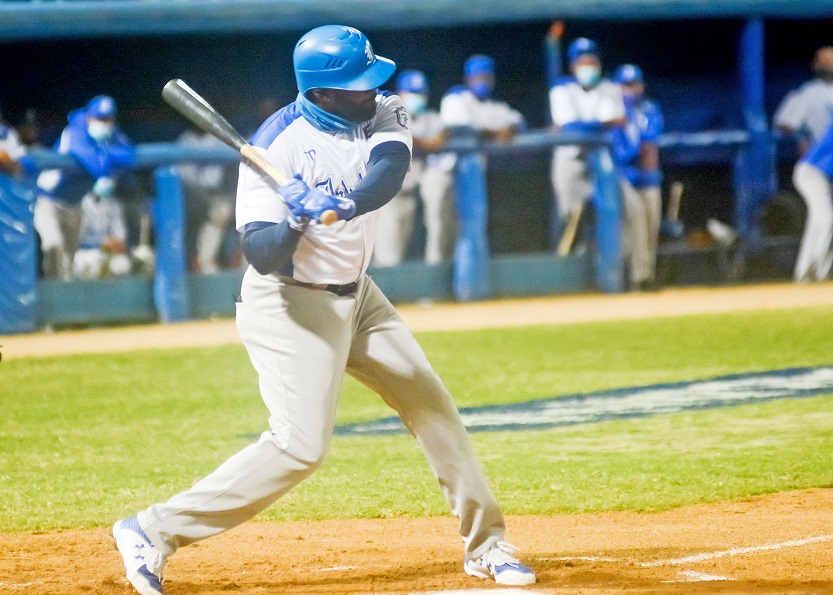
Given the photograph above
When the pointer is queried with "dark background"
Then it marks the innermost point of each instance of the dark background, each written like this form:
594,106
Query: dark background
690,65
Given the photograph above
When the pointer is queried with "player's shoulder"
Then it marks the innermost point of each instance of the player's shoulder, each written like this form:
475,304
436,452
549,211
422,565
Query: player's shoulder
564,82
810,87
650,107
275,125
387,101
609,87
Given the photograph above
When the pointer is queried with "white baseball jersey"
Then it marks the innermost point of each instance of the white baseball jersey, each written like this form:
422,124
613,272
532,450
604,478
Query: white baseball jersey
10,143
428,126
101,218
335,164
460,107
808,108
570,102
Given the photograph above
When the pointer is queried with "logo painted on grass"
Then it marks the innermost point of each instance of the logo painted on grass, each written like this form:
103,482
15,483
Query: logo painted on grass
623,403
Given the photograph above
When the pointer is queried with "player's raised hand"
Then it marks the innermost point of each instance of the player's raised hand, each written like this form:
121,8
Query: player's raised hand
556,30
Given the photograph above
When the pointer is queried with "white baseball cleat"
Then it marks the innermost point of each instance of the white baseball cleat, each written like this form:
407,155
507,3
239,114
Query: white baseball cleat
143,563
499,564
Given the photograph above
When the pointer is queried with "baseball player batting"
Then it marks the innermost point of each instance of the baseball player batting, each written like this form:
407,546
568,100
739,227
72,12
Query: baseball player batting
308,312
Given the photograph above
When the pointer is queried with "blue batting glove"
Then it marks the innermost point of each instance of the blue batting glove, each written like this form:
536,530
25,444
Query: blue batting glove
293,195
317,203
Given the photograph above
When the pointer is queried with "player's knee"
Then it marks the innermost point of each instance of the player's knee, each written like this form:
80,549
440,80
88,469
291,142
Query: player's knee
307,457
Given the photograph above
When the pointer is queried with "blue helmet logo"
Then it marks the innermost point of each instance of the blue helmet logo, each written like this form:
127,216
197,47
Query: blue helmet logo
339,57
581,47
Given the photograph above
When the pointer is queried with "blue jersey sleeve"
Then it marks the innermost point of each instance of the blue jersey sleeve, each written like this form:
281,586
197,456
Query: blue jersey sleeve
653,124
98,159
625,148
552,55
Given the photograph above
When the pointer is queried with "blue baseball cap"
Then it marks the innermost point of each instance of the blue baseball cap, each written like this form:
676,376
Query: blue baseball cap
628,73
101,107
581,47
412,81
479,64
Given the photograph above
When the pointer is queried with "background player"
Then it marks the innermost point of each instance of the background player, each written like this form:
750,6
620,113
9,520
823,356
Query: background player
14,158
100,148
583,103
637,155
103,239
308,311
806,112
429,179
472,105
813,178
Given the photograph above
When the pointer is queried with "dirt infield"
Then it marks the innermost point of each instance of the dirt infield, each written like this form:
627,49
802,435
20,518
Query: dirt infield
443,317
773,544
781,543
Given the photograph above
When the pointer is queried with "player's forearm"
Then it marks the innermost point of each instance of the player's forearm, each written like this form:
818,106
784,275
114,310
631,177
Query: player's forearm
269,247
386,170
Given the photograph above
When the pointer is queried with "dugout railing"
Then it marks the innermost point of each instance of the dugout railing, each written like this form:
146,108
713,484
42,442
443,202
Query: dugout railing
175,295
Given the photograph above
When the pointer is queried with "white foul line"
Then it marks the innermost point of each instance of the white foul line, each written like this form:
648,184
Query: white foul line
693,576
735,551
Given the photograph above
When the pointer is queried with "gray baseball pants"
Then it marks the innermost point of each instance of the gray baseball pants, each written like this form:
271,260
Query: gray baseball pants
640,233
815,255
301,341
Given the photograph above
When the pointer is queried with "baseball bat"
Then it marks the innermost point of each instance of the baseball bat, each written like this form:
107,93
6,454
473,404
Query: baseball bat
199,112
570,230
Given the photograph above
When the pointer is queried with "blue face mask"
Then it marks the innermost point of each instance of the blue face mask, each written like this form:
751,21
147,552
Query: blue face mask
482,90
414,103
587,75
631,100
323,120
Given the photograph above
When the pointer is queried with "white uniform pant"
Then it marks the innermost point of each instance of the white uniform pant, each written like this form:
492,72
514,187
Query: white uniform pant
640,233
814,256
394,225
571,182
59,226
436,190
300,341
94,263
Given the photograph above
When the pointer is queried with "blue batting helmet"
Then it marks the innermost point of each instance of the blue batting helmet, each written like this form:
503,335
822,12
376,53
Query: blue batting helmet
581,47
479,64
101,107
338,57
628,73
412,81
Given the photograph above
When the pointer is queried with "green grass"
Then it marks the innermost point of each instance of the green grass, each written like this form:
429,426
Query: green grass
86,439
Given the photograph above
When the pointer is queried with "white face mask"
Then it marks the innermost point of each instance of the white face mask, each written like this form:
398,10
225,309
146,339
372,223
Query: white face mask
415,103
100,130
588,75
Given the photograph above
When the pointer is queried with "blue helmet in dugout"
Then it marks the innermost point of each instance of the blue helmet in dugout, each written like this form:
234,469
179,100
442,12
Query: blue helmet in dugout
628,74
582,47
412,88
412,81
339,57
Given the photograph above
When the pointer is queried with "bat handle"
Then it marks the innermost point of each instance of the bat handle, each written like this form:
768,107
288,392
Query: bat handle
328,217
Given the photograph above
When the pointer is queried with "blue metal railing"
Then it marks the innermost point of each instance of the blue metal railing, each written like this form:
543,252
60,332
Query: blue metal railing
471,267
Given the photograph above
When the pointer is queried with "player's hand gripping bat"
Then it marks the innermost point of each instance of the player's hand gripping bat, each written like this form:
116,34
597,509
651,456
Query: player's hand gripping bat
197,110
